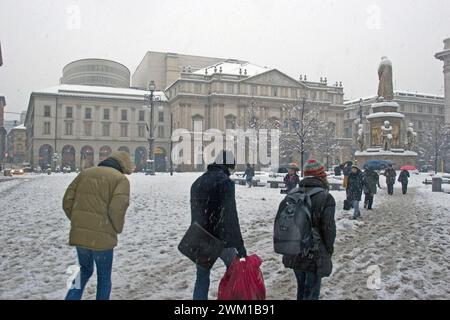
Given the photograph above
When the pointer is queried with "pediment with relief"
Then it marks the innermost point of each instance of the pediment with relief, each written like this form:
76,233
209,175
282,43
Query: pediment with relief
273,77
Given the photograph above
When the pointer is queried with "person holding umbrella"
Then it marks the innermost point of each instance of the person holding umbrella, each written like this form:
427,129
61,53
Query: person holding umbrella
404,178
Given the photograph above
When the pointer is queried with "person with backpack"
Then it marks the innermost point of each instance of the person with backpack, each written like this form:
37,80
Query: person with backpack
355,189
96,203
403,178
307,245
248,175
213,207
292,179
371,182
390,175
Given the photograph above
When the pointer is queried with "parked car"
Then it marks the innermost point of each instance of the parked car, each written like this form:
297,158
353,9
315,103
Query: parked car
17,171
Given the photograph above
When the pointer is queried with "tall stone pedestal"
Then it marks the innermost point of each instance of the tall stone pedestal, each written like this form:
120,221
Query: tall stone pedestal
382,112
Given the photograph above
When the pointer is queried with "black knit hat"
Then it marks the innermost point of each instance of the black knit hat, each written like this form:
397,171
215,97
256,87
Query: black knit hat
226,158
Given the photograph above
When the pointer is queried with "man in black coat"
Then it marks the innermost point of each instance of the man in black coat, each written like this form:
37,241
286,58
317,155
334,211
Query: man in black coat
390,175
403,179
309,271
213,206
355,189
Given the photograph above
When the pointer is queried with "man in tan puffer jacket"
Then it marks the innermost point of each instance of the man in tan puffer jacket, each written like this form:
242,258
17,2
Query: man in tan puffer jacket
96,203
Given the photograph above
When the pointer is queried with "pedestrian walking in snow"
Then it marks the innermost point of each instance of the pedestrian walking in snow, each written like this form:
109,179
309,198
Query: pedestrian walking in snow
355,189
311,268
403,178
248,175
390,175
96,203
292,180
371,182
337,171
346,171
213,207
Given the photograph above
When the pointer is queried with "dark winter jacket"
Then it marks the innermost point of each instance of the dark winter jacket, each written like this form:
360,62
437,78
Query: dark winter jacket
355,186
390,175
213,206
337,171
249,173
371,181
403,178
322,208
291,181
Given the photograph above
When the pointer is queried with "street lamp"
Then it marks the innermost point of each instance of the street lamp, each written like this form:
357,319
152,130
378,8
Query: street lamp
151,138
360,111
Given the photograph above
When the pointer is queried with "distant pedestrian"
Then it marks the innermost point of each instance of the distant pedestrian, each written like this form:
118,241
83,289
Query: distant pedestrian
403,178
347,169
355,189
309,269
371,182
96,203
292,179
248,175
390,175
337,171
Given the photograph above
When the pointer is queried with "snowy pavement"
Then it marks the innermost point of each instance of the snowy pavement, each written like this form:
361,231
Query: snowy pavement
406,237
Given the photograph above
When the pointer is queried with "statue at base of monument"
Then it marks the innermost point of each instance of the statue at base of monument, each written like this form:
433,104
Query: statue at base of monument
385,86
360,139
386,136
410,138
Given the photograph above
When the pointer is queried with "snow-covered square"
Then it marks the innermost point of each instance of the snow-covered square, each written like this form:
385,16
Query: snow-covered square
405,238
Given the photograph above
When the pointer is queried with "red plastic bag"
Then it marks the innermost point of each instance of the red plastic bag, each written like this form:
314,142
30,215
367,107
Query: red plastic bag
243,281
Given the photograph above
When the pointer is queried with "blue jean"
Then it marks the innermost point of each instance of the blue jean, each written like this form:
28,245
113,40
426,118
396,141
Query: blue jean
103,262
201,288
356,211
308,285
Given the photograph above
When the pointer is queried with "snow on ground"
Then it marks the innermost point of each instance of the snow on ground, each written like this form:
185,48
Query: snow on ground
407,237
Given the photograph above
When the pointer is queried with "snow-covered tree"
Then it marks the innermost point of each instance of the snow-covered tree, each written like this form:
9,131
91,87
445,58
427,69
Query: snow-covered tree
436,147
326,144
300,130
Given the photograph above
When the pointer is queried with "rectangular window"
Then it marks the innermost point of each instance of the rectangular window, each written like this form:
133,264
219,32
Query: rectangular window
124,130
275,92
160,131
430,110
69,112
254,91
161,116
197,88
141,131
46,128
88,113
230,88
69,129
141,115
47,111
441,110
124,115
105,114
420,109
88,129
106,130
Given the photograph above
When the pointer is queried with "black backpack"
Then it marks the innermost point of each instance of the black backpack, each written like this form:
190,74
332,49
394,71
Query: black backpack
294,233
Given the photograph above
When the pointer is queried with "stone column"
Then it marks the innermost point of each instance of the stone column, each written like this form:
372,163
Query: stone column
445,57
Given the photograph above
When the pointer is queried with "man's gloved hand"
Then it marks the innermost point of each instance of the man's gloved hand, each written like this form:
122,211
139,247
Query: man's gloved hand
242,253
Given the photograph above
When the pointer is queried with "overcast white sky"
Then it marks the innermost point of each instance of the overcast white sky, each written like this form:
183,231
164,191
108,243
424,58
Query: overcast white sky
340,39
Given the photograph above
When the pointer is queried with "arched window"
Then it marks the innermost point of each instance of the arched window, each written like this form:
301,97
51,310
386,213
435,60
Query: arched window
104,153
87,157
68,157
45,156
124,149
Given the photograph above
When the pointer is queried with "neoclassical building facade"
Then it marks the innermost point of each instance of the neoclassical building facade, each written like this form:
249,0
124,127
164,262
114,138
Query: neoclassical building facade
220,96
85,124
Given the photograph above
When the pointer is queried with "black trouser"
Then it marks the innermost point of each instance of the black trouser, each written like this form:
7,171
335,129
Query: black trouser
368,200
404,187
390,188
